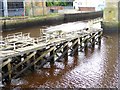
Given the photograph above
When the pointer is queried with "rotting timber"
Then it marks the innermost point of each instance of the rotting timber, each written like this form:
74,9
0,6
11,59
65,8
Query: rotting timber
19,52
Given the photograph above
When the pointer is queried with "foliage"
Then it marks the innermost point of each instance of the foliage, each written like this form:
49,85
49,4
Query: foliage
58,3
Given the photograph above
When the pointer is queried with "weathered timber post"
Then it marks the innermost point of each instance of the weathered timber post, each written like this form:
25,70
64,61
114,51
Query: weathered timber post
23,57
52,56
32,60
65,49
17,62
85,43
6,69
99,38
75,46
9,70
93,40
38,53
80,43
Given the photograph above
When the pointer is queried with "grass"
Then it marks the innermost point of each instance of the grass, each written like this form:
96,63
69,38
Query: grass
28,19
32,17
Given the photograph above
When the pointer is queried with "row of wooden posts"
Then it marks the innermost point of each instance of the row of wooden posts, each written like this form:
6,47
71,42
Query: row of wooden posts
17,65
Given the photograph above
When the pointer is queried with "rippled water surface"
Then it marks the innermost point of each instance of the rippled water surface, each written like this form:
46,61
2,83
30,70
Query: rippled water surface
95,68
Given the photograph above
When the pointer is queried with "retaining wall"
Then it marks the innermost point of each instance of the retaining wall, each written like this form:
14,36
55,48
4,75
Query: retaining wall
24,23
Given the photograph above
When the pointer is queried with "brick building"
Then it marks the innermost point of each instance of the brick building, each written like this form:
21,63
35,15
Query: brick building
22,7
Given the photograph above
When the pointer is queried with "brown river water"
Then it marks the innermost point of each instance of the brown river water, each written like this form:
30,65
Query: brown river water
94,68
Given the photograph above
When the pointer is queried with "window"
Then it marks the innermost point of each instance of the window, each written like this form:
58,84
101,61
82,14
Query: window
13,5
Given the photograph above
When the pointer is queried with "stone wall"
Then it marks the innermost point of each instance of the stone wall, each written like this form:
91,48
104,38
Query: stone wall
82,16
24,23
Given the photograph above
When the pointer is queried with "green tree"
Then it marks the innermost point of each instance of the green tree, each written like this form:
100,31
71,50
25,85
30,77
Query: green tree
58,3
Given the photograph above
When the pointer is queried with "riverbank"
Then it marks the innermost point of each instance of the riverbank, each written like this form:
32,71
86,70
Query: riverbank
12,23
52,19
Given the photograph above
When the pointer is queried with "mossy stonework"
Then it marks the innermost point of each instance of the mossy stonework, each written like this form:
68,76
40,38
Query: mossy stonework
111,16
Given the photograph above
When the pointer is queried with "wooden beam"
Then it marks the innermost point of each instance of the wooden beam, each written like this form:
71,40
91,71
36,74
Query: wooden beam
5,63
9,69
39,58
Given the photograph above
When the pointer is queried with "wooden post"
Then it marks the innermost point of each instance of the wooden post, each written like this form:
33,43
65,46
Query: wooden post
85,44
93,41
38,53
99,38
20,67
9,70
6,68
33,61
22,59
52,55
80,43
66,49
75,47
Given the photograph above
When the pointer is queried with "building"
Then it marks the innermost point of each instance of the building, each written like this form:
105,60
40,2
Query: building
34,8
22,8
89,5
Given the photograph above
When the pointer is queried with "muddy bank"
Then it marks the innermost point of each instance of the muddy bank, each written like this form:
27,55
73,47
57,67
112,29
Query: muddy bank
25,23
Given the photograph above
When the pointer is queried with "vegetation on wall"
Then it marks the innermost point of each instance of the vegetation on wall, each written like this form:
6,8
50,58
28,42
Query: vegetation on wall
58,3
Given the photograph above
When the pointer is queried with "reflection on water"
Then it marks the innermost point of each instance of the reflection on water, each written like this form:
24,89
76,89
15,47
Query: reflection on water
95,68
